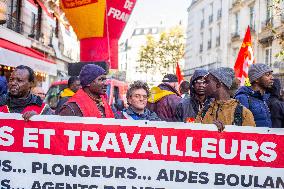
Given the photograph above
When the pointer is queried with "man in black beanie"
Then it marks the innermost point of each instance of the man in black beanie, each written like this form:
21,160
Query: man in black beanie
164,99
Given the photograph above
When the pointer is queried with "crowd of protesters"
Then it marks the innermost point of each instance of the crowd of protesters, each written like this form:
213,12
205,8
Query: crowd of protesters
211,97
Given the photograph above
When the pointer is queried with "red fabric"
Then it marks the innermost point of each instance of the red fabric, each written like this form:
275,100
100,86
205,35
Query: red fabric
106,48
23,50
37,109
245,58
88,107
100,49
179,75
32,2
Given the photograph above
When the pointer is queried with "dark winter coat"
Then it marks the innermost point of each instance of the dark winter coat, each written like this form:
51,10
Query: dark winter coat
189,108
164,102
17,105
276,106
257,104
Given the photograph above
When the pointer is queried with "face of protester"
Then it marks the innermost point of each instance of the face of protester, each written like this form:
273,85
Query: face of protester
39,92
211,85
75,86
266,81
19,84
199,86
138,99
98,86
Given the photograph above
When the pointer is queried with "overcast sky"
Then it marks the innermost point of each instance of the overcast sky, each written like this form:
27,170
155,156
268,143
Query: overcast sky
153,12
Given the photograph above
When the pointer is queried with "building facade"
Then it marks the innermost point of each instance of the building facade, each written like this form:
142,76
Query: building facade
263,16
34,35
205,39
129,54
236,15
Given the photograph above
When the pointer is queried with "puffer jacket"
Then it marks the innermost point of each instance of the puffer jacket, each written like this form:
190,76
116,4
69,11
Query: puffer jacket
164,100
257,104
276,106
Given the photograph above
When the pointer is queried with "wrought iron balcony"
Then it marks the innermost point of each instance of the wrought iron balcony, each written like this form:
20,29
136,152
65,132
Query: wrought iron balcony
268,23
14,24
236,3
235,36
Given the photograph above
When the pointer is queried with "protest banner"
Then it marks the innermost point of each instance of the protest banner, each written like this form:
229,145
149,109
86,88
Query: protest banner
52,152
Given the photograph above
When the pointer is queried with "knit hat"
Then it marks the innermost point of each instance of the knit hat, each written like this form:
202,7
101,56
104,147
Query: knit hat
224,75
170,78
89,73
256,71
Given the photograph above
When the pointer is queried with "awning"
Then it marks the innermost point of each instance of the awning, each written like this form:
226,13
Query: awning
14,55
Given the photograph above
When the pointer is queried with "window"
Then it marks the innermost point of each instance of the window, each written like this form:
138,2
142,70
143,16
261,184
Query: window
14,15
251,17
268,56
237,23
268,9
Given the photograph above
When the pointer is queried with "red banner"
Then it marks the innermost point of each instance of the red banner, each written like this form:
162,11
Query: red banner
49,143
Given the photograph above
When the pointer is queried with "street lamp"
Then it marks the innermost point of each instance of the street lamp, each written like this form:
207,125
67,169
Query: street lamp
3,10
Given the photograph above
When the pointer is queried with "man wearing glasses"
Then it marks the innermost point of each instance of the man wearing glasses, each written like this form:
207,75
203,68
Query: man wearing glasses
137,96
188,108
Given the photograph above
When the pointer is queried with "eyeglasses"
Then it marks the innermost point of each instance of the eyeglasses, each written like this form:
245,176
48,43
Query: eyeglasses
200,82
139,96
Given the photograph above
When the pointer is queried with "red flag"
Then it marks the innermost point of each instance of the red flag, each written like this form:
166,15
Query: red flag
245,58
178,73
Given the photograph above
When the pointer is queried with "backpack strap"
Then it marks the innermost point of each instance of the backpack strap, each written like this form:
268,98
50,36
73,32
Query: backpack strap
238,116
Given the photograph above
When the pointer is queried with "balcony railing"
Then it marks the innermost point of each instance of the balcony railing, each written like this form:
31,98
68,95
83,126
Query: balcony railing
218,41
235,36
14,24
202,24
268,23
236,2
219,14
209,44
201,48
210,19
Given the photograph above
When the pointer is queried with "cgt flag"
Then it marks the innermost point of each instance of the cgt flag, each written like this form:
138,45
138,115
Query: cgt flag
178,74
245,59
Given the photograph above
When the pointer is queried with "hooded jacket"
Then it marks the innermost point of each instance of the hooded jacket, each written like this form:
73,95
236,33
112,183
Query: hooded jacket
276,106
189,107
163,101
257,104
